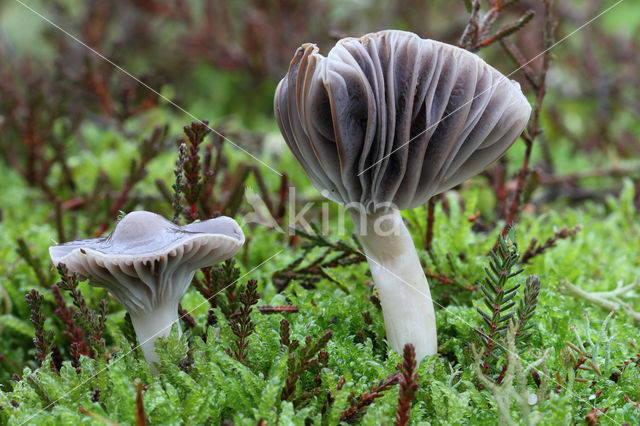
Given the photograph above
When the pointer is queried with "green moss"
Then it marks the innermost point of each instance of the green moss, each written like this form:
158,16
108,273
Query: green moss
215,386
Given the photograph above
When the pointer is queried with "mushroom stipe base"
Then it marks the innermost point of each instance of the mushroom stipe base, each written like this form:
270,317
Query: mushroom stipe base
400,280
150,326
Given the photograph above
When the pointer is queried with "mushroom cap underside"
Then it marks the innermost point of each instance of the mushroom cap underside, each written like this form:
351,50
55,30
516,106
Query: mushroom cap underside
197,250
148,259
150,235
393,118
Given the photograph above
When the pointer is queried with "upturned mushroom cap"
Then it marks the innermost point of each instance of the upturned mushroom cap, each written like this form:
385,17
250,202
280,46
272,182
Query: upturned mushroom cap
148,259
392,118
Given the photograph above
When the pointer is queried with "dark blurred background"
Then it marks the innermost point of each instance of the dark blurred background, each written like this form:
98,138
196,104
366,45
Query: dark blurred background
221,60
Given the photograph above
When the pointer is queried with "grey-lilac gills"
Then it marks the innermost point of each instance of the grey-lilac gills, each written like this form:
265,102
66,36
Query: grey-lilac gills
147,263
383,123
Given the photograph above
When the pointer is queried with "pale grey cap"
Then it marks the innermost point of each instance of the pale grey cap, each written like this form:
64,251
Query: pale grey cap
147,259
393,118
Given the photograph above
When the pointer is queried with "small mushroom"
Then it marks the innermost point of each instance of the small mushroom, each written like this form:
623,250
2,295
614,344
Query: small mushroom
147,263
383,123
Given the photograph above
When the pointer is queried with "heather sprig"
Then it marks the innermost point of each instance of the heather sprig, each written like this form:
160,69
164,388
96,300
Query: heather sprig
43,339
89,320
302,359
241,323
73,333
192,168
499,295
216,284
359,406
477,35
179,183
408,384
33,261
335,254
527,308
536,249
500,299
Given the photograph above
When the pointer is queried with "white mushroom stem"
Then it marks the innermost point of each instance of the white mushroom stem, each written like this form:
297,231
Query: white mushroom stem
404,293
149,326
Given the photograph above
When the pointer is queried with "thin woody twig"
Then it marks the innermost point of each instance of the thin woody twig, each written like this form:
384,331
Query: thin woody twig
609,300
508,29
519,59
268,309
546,179
430,220
532,129
357,409
536,249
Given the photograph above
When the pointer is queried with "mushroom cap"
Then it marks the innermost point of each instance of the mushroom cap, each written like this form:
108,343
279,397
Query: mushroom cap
393,118
147,259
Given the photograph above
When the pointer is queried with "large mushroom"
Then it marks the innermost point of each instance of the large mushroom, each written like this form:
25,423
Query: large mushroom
383,123
147,263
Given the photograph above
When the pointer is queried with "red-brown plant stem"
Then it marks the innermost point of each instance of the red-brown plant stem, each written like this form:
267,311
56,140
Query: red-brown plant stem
536,249
303,359
42,340
442,278
523,65
408,385
532,129
476,34
186,318
141,418
358,408
241,323
72,332
283,196
430,220
507,30
149,149
515,202
267,309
